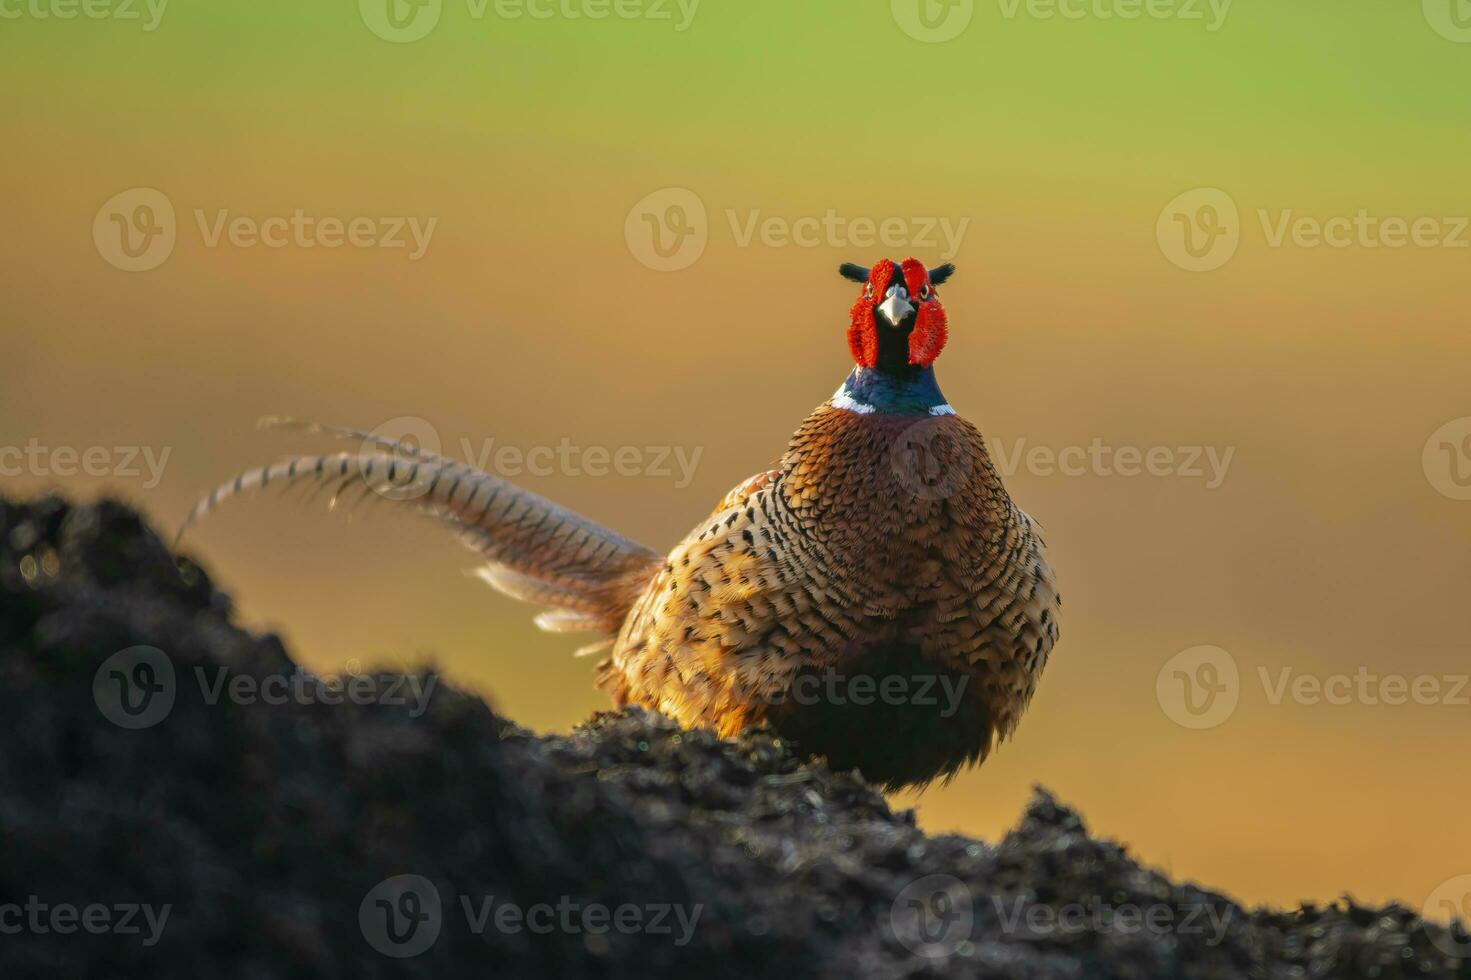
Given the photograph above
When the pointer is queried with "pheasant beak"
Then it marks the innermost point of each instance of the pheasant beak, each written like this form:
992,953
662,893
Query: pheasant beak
896,305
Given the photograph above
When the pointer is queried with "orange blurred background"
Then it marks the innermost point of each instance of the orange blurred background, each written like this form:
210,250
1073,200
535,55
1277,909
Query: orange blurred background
1068,156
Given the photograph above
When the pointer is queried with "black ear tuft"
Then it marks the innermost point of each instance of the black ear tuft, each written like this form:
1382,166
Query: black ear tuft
938,276
853,271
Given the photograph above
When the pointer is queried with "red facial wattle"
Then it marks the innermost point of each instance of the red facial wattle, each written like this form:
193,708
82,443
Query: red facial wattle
863,337
931,327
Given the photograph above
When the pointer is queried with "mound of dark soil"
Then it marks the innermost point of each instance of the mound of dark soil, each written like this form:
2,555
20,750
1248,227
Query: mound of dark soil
178,798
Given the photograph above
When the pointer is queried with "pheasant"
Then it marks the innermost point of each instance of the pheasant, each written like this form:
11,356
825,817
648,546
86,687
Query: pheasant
876,598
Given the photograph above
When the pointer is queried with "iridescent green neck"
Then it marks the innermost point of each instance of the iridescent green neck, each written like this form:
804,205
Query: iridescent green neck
914,392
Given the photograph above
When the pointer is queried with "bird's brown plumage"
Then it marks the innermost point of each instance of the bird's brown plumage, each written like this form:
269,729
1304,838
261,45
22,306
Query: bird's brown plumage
882,546
877,597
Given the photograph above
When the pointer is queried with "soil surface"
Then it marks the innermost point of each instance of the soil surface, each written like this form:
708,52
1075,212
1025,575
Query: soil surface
179,798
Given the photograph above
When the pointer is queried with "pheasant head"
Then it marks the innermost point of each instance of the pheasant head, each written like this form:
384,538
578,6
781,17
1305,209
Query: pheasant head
897,324
896,330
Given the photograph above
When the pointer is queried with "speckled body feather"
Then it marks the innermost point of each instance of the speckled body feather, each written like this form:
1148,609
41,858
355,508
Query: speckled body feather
883,546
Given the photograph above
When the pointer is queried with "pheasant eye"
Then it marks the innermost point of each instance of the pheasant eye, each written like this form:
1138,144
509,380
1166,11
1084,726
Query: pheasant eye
926,291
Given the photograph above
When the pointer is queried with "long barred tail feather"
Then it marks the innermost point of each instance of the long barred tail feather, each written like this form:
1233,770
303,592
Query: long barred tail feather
535,549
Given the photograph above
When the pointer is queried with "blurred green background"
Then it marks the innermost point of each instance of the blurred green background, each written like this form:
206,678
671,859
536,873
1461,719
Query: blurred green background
1069,150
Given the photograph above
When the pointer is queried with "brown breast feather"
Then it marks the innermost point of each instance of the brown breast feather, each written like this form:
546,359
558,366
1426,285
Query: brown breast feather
874,530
